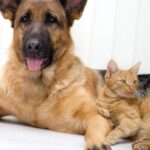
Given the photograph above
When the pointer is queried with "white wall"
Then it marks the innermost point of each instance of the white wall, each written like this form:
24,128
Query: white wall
118,29
5,39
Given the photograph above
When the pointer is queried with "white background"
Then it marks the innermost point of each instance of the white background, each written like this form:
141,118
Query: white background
118,29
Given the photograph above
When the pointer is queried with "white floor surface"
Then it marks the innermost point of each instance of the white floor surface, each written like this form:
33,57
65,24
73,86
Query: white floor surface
17,136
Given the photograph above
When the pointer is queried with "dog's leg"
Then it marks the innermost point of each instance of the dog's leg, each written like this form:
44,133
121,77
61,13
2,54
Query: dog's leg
3,113
3,103
97,129
5,108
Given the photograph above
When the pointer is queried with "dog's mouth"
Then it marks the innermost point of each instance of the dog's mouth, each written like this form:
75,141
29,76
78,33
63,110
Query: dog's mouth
34,64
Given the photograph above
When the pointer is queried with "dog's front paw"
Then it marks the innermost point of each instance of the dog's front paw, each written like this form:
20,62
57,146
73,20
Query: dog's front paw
99,148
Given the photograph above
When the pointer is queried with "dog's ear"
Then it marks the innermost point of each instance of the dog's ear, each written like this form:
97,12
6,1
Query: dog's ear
8,8
74,9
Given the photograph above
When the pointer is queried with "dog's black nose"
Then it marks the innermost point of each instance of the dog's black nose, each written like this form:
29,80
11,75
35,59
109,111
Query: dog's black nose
34,45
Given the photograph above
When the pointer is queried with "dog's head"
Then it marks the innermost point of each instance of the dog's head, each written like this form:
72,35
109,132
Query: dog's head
41,28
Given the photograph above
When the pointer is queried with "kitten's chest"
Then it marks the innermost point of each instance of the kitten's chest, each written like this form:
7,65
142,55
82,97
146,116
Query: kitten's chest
124,109
120,106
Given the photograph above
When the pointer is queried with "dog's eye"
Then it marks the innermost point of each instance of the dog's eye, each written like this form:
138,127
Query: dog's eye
26,18
50,19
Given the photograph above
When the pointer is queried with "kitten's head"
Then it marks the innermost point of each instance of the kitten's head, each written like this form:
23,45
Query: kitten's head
123,83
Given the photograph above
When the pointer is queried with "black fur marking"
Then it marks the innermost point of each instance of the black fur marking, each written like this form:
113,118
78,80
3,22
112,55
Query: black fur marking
98,148
63,3
44,50
144,84
102,72
10,6
73,11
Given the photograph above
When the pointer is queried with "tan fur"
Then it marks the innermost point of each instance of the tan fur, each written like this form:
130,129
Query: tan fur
119,102
71,109
61,97
130,115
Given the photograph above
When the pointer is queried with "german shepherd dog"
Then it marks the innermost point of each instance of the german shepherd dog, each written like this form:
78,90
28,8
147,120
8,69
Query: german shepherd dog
43,83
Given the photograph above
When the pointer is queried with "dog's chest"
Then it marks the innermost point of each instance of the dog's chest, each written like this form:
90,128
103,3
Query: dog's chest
24,90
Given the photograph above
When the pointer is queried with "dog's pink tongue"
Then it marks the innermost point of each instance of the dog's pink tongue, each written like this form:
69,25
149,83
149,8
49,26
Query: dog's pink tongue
34,64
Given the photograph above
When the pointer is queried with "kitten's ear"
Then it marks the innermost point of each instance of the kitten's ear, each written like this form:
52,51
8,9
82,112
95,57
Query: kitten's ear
74,9
8,8
136,67
112,68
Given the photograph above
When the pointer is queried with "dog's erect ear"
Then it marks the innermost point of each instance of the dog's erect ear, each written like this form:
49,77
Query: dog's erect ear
74,9
8,8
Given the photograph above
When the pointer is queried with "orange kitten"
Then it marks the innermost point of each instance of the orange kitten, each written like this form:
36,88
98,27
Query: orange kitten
118,101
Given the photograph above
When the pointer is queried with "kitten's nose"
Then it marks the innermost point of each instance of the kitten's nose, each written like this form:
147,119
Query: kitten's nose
130,91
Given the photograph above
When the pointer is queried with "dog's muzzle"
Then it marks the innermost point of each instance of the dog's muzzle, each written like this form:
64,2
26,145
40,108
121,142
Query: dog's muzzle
37,50
34,60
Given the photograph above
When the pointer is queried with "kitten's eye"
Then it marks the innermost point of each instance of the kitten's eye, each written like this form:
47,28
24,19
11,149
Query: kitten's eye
26,18
123,81
50,19
135,81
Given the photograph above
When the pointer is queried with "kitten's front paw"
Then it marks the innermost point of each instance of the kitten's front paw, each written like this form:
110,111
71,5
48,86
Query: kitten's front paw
99,148
110,140
104,112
